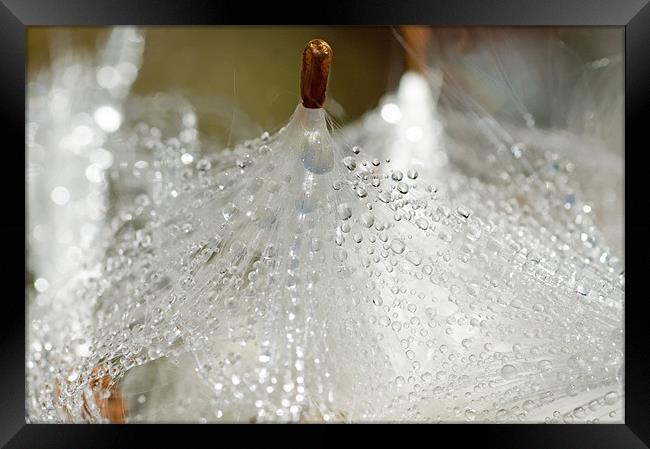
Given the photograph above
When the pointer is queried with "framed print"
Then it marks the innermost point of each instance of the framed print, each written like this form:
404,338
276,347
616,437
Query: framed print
402,214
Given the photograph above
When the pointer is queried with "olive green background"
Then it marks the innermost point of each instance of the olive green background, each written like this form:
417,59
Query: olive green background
258,67
255,70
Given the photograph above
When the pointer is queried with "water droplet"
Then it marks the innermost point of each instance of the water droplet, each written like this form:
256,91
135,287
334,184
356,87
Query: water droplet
444,236
508,372
579,412
344,211
203,164
317,155
397,246
422,223
516,303
582,290
611,398
230,211
518,150
384,197
367,219
544,365
463,211
411,256
350,163
341,255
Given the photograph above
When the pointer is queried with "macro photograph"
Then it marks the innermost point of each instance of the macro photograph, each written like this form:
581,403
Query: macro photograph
325,224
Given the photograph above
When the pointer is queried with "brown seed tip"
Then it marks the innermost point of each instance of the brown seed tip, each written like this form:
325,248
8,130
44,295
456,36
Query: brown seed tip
417,40
112,407
316,61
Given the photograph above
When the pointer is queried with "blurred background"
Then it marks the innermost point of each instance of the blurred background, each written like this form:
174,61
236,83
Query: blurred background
256,68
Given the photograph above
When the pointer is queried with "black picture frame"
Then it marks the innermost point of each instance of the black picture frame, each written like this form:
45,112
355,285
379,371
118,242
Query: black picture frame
634,15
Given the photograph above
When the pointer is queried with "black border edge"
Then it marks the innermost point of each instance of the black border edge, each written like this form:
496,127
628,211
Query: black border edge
490,436
378,12
634,14
637,229
12,120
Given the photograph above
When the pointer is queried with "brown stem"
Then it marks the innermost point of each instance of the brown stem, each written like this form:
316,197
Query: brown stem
112,408
316,61
417,40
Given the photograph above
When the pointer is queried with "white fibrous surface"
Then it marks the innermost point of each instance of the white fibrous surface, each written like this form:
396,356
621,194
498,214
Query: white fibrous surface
298,278
548,95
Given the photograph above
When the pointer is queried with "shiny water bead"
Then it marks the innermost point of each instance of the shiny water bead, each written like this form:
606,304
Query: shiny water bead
611,398
412,174
314,158
344,211
350,163
422,223
528,405
463,211
518,150
367,219
508,372
397,246
412,256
